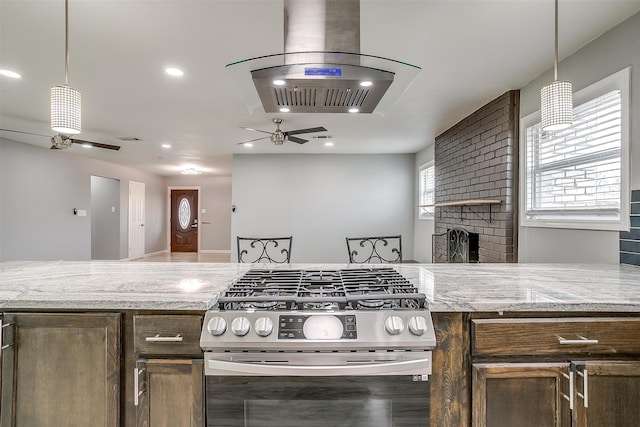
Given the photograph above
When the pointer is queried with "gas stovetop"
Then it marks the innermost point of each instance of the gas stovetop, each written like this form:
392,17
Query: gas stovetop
347,289
363,309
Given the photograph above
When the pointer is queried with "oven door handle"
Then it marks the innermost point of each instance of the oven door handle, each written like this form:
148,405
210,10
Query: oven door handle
404,367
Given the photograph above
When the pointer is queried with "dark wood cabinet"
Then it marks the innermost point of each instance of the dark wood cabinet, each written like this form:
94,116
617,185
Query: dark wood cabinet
608,393
521,394
556,372
168,377
170,393
60,370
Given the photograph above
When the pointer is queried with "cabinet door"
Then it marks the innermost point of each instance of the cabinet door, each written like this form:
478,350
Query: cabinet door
61,370
608,394
170,393
521,394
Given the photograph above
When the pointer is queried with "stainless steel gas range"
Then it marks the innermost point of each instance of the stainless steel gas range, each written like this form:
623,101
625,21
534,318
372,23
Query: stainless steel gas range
312,347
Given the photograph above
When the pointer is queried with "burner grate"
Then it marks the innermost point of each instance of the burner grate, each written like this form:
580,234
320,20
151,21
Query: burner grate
357,289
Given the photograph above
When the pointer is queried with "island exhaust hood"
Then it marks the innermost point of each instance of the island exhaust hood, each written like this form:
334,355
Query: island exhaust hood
321,69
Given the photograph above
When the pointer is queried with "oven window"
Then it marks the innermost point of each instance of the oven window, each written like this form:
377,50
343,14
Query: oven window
318,413
390,401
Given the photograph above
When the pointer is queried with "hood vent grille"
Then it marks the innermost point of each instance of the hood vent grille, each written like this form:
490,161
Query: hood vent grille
304,94
320,97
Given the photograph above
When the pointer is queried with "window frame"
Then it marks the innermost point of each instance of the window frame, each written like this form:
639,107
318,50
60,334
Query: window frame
426,213
621,81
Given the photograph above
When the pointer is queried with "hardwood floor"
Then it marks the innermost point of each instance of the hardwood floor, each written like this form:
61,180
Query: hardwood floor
186,257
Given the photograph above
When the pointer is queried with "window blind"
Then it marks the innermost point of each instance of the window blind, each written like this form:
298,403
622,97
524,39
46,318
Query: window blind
577,172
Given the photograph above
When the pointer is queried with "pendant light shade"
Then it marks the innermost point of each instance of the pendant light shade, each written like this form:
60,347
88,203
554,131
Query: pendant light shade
557,98
557,106
66,112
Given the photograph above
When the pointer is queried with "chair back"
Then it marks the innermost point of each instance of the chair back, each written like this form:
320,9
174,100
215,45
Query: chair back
375,250
264,249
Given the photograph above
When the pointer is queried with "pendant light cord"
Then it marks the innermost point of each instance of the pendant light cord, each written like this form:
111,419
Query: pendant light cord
555,64
66,42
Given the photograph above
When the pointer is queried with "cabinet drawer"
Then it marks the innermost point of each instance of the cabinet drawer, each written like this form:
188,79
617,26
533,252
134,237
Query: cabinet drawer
578,335
167,335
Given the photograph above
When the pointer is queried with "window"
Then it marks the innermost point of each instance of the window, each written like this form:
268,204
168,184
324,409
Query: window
579,177
427,191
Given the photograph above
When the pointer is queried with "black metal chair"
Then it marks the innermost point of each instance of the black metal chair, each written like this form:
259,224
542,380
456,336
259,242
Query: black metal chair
375,250
264,249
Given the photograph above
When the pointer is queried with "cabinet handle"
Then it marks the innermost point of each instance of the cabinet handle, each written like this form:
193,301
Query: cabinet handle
585,387
570,397
158,338
582,340
136,385
4,346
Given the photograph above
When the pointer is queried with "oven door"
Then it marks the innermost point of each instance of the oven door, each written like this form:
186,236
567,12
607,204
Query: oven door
318,389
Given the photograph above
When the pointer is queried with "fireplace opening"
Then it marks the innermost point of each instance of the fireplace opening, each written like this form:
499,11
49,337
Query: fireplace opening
462,246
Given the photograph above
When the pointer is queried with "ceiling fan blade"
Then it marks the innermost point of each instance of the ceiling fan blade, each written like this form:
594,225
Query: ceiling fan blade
255,130
26,133
251,140
296,139
96,144
310,130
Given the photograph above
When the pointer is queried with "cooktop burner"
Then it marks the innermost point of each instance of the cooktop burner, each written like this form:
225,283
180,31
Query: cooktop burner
357,289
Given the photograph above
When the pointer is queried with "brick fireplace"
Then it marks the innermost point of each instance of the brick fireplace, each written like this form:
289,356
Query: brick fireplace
476,170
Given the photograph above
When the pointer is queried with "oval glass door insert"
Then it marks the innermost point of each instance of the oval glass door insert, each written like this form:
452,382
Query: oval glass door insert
184,213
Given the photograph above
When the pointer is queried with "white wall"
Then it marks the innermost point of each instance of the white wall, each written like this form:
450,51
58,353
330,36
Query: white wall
321,199
41,187
215,199
423,227
613,51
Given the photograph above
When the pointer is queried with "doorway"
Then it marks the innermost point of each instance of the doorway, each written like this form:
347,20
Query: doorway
105,218
184,220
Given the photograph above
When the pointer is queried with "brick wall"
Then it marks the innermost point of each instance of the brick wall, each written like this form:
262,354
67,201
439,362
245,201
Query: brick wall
478,159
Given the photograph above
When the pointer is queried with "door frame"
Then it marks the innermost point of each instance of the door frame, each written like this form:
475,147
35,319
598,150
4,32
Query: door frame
182,187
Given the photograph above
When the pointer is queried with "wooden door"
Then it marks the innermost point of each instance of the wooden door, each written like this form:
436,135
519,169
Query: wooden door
612,392
61,370
184,220
170,393
521,394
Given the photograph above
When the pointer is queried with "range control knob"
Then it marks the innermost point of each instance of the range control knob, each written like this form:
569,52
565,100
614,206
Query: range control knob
417,325
263,326
394,325
240,326
217,326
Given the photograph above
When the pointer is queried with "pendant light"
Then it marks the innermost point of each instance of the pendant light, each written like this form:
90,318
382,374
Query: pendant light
556,98
66,114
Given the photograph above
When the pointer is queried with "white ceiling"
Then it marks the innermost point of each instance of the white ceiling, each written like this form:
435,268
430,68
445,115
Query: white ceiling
470,52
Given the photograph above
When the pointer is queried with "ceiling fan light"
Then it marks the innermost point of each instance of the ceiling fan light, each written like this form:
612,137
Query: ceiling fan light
557,106
66,113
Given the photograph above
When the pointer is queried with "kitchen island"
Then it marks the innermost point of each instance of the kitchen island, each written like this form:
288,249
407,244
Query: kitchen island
195,286
495,324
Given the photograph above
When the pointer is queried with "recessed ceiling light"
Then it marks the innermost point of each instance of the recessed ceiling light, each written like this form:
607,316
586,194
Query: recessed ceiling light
279,82
166,146
248,144
353,110
175,72
366,83
87,145
9,73
328,144
190,171
284,110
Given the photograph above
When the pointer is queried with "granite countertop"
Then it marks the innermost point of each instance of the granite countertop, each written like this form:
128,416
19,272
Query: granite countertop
194,286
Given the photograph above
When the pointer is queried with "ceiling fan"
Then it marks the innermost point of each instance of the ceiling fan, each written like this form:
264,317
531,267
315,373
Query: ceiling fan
278,137
61,141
